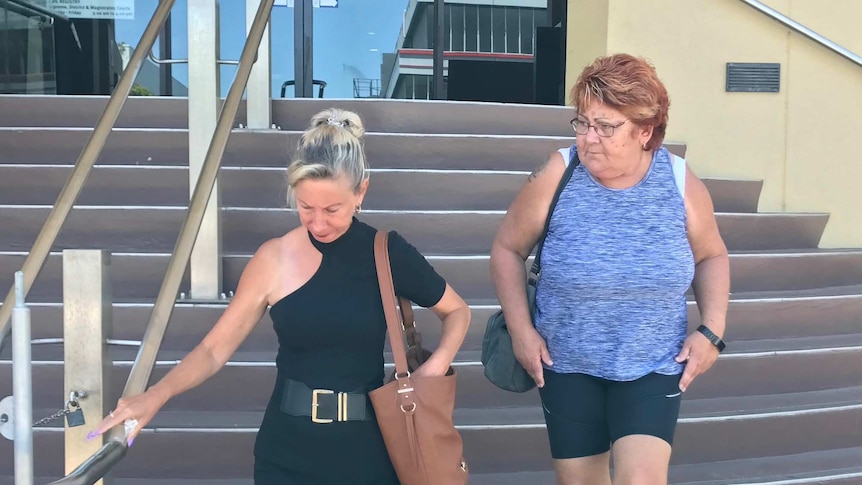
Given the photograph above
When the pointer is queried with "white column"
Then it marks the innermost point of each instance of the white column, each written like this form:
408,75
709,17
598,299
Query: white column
206,262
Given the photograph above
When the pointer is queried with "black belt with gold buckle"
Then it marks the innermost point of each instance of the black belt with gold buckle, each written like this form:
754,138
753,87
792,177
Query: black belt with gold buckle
324,405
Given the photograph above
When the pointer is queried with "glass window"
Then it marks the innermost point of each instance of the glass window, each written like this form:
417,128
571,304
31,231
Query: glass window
281,51
485,28
26,52
447,26
399,91
407,80
512,30
419,38
527,32
471,28
457,12
421,85
422,35
349,42
428,20
498,33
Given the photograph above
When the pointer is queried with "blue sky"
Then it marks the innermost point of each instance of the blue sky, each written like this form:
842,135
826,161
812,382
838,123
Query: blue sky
343,40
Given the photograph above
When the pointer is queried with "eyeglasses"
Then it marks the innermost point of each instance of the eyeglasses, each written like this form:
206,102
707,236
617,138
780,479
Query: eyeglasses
604,130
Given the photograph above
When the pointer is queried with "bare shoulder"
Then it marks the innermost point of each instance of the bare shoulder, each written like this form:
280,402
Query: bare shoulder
702,228
522,226
269,252
697,196
549,170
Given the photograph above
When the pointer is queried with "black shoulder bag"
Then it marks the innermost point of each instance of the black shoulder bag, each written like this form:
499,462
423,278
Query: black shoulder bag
501,366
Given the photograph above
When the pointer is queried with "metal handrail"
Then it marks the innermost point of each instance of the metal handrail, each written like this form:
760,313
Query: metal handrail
96,466
39,252
113,451
156,60
789,22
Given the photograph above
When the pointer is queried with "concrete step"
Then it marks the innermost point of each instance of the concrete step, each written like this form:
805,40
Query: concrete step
505,440
753,436
834,467
396,116
155,185
274,148
138,276
155,229
790,316
772,367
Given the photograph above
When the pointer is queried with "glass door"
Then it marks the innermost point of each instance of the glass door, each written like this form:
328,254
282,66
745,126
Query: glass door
27,64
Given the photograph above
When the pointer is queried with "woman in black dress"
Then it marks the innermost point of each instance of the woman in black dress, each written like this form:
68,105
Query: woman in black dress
321,283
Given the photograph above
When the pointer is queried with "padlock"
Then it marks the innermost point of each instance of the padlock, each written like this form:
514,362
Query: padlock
75,418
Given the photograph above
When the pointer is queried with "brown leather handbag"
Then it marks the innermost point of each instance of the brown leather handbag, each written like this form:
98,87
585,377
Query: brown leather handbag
415,413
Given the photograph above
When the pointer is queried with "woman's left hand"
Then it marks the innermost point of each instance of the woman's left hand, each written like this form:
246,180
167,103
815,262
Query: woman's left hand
698,354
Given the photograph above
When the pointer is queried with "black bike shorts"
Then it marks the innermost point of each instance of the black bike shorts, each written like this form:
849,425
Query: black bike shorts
586,414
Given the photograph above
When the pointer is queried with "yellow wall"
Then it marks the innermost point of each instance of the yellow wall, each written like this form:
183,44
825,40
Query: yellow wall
799,141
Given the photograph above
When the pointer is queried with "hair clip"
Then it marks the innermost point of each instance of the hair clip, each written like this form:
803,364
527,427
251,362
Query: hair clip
333,121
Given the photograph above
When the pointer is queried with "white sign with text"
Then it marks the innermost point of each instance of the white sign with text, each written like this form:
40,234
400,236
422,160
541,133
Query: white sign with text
94,9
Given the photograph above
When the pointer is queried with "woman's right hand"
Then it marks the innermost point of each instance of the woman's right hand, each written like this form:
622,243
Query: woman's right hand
531,351
141,408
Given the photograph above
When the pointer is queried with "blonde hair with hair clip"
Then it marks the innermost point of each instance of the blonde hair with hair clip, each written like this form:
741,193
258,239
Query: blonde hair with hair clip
329,148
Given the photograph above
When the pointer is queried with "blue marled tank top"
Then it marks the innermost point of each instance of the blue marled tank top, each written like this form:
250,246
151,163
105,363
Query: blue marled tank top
615,268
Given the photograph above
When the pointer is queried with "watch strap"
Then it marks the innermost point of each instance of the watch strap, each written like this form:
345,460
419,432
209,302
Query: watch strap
715,339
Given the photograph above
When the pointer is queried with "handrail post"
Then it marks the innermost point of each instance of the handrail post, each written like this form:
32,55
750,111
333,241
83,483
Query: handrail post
22,385
206,261
86,330
259,89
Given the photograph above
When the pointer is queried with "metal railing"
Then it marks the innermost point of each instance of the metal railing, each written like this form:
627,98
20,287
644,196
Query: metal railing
45,240
314,82
22,382
796,26
114,449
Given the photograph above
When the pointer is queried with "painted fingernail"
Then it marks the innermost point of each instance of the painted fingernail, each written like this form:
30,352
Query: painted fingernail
131,440
92,434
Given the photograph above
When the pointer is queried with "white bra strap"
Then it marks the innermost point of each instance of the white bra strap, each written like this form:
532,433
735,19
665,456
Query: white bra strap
678,164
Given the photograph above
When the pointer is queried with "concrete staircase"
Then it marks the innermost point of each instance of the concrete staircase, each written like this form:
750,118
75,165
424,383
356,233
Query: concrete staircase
781,406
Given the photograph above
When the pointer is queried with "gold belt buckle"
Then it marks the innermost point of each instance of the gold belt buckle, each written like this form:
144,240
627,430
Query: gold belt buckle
314,405
342,406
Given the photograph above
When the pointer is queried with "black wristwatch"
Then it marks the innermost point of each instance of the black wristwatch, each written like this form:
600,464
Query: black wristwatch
715,339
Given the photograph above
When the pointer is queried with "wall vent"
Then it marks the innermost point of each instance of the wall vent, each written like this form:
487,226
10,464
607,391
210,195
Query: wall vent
753,77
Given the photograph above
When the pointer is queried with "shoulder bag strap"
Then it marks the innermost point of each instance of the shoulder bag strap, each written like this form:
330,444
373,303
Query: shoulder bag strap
574,161
387,295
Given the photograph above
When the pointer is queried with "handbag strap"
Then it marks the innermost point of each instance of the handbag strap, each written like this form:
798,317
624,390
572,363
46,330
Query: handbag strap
536,268
387,295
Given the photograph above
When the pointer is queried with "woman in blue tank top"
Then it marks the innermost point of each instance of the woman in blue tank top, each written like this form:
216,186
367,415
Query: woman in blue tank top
633,229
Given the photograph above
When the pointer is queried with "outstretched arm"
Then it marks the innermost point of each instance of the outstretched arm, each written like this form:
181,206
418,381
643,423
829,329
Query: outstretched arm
238,320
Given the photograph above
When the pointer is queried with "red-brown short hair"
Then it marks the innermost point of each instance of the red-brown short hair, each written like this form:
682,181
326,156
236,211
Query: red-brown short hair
630,85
